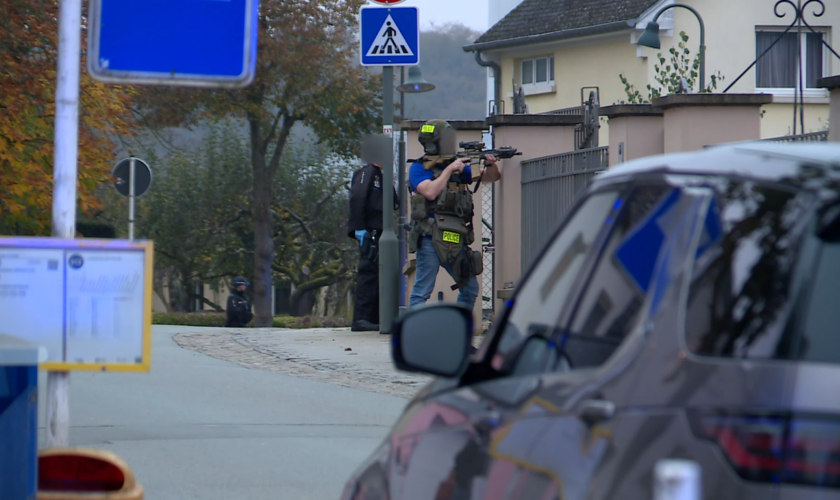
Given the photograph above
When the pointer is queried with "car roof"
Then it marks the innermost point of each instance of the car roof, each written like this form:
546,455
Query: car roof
759,160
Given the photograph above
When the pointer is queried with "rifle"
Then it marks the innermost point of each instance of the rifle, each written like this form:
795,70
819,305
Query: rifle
474,150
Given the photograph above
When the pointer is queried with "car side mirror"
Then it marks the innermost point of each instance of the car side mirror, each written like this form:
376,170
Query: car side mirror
433,339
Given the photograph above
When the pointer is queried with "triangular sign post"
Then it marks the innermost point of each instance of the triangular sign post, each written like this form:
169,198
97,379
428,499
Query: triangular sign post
390,36
390,41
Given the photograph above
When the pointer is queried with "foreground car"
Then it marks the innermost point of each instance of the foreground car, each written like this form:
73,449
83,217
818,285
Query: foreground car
688,307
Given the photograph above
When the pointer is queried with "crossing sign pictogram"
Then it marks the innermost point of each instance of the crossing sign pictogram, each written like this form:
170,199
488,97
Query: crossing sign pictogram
390,36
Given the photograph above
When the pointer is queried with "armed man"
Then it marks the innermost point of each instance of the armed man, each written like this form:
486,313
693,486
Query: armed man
365,225
442,211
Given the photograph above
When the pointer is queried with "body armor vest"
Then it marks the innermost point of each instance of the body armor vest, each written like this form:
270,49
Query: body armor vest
453,207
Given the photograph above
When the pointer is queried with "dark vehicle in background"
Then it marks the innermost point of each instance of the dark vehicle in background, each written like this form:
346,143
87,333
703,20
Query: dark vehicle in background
688,307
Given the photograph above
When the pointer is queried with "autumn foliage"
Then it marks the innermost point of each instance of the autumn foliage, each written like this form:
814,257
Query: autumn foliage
28,33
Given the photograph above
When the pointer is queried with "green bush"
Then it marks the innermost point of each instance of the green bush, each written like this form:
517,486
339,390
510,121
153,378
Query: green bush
218,320
189,319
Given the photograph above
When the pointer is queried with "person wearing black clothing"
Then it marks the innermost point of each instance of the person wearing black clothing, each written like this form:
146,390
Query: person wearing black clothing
238,306
365,225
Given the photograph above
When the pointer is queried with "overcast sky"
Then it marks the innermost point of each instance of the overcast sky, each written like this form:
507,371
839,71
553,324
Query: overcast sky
472,13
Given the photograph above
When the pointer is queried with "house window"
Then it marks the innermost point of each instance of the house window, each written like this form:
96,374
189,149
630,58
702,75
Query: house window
778,70
538,71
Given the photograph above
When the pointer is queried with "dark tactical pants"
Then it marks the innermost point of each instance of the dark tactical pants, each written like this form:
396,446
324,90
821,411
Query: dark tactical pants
366,306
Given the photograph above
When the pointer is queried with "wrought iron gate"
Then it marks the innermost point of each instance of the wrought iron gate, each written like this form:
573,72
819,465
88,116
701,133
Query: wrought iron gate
550,186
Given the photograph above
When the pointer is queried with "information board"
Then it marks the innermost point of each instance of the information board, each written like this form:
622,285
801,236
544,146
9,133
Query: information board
87,302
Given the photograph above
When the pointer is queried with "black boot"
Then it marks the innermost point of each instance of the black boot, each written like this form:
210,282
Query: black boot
363,326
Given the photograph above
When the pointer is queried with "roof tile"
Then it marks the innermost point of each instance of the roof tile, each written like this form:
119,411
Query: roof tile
538,17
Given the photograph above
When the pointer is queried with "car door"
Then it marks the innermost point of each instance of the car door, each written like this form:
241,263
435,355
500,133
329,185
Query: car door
440,449
560,438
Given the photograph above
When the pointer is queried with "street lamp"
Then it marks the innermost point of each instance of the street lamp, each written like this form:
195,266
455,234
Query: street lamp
414,85
650,38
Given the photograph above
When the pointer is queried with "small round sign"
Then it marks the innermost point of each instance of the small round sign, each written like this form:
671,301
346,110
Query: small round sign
142,176
387,2
76,261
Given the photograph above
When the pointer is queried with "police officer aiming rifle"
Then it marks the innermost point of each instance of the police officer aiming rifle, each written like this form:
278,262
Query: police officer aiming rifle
442,210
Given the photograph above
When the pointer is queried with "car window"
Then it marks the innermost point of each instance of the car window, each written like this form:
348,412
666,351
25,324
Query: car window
819,339
543,294
616,290
749,295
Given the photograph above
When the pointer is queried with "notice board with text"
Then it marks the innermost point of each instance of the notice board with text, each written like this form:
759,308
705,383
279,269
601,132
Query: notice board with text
87,302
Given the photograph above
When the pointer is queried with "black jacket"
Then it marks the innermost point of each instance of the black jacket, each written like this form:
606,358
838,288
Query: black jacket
238,310
366,200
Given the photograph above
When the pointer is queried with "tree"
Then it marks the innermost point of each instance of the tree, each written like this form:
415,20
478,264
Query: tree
305,74
669,72
199,198
28,32
312,245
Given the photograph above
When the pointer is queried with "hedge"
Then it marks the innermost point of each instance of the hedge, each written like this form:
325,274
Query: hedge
218,320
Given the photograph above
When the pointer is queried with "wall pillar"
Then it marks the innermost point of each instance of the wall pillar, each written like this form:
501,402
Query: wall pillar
636,131
694,121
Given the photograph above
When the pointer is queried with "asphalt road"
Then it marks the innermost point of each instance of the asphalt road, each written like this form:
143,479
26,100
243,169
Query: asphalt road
204,428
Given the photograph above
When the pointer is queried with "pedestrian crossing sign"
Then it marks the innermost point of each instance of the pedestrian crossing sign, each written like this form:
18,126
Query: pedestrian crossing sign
390,36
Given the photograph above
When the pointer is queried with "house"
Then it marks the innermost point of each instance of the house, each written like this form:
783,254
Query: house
546,57
551,49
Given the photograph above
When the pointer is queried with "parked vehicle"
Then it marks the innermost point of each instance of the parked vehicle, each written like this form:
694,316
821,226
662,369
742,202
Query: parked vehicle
688,307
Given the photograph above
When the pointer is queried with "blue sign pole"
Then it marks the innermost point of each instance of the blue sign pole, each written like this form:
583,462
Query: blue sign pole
390,36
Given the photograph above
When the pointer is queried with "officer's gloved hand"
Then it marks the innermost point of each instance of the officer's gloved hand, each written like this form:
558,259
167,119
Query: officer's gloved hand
360,235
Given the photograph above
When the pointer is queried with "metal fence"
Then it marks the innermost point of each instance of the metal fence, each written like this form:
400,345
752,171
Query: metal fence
550,186
573,111
809,137
487,245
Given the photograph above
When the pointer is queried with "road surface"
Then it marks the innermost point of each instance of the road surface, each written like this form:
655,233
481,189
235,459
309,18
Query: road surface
207,428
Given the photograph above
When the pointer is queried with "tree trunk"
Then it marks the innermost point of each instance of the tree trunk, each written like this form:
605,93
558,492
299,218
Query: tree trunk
263,248
302,303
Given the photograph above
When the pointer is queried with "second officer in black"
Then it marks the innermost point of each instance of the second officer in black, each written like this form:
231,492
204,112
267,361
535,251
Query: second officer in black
365,225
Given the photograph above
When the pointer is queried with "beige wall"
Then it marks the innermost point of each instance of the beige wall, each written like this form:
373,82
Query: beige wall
577,65
641,135
730,40
778,119
693,127
444,281
533,142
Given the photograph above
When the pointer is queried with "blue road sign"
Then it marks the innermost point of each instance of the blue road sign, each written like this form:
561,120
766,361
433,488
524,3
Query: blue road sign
206,43
390,36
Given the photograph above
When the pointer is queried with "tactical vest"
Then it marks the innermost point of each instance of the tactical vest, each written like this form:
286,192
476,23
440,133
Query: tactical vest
451,228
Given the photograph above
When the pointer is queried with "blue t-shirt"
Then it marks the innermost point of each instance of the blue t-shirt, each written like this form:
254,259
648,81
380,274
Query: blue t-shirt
418,174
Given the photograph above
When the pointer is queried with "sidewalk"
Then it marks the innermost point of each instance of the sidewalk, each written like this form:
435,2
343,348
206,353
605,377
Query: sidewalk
361,360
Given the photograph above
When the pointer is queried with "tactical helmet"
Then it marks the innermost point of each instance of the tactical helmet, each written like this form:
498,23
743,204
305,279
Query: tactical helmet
240,280
430,134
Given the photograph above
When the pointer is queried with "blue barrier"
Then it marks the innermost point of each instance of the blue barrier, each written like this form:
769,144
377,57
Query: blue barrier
18,419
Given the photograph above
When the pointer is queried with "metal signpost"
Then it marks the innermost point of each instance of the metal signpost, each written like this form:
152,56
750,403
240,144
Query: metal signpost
390,36
206,44
132,183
